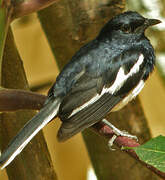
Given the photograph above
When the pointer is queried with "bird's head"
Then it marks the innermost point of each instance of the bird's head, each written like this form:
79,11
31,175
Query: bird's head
129,22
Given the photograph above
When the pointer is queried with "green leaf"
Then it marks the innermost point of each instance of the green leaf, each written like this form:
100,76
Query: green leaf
153,152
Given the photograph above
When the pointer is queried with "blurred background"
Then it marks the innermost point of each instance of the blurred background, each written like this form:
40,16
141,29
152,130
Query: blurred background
41,70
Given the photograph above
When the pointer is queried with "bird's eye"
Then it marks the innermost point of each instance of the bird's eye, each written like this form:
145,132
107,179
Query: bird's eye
126,29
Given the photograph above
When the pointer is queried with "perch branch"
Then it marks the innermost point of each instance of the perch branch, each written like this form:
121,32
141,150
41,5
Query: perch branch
121,141
11,100
29,6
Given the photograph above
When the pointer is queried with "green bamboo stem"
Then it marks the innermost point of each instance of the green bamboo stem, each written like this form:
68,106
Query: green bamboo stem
2,29
5,14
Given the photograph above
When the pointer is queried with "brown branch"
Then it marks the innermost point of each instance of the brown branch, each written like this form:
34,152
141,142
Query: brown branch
29,6
11,100
121,141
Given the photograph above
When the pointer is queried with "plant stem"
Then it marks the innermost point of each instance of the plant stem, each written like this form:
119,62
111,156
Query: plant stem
5,14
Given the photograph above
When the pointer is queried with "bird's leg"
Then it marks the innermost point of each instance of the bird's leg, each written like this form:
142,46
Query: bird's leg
111,141
117,133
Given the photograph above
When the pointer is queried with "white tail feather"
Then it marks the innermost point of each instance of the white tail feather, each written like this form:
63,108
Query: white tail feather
47,113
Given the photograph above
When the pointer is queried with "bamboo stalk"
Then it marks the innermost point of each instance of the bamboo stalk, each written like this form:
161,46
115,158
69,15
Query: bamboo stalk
34,162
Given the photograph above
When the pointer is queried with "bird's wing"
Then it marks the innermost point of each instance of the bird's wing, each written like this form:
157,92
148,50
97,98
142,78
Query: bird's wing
87,116
85,106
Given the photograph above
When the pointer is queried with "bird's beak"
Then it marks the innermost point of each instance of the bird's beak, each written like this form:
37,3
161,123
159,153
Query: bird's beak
151,22
147,23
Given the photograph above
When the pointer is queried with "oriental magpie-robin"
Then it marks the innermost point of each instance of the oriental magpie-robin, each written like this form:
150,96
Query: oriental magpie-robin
103,76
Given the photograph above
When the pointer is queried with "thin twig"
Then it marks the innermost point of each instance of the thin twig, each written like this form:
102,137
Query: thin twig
11,100
27,7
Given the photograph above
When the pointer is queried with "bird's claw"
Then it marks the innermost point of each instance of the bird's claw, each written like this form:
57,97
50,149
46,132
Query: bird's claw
126,134
123,134
117,132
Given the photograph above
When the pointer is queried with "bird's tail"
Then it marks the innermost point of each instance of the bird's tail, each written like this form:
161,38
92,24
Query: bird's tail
31,128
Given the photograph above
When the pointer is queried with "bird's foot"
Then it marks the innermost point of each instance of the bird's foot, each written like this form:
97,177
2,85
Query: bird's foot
117,133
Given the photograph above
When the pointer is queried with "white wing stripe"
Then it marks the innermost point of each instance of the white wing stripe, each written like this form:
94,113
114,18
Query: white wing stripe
121,77
118,83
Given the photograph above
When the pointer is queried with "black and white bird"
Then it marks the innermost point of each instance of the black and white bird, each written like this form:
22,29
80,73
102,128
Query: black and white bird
103,76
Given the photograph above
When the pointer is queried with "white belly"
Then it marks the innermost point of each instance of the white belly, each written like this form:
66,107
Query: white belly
130,96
